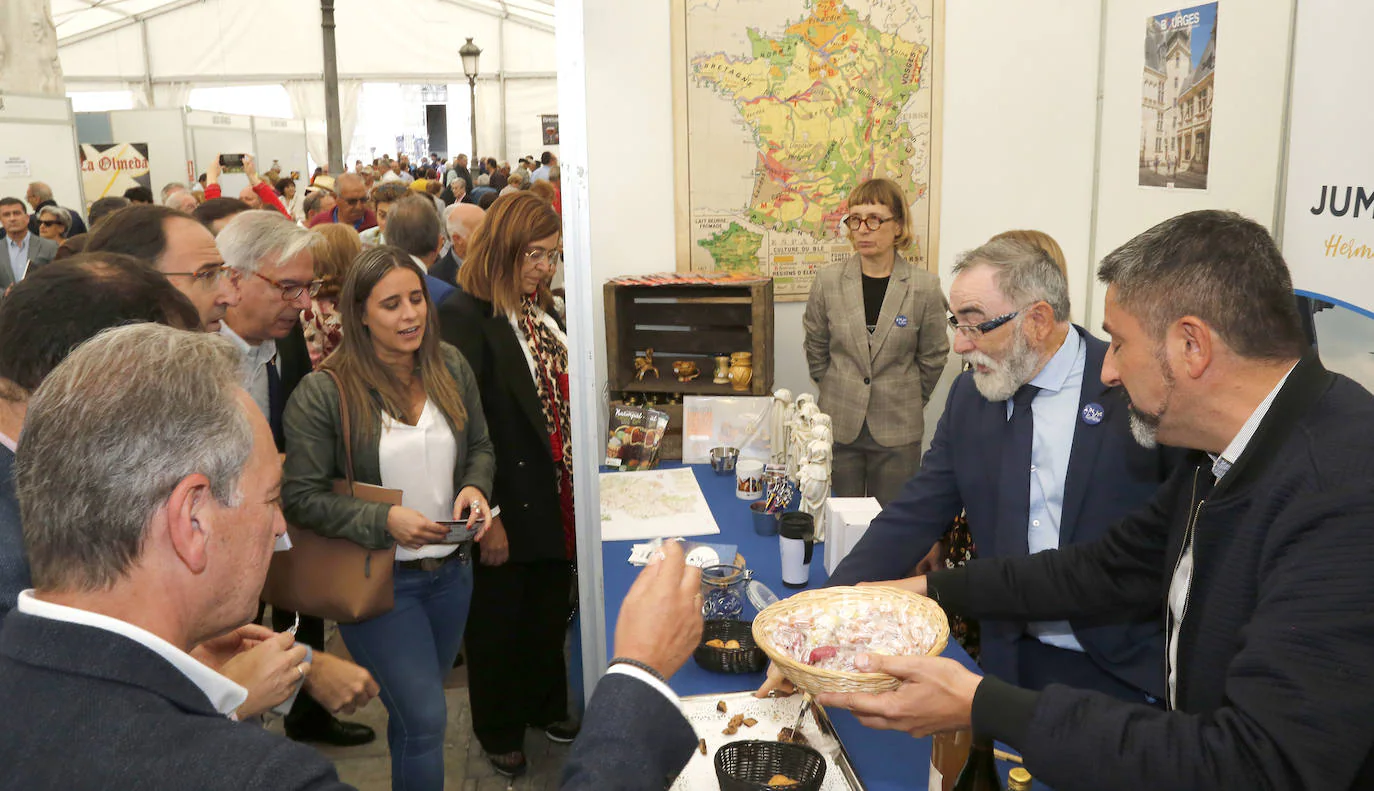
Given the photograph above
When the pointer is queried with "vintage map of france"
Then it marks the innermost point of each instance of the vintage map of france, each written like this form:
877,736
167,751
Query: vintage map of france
790,104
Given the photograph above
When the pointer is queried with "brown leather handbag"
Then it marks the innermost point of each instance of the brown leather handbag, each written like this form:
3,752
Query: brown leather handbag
335,578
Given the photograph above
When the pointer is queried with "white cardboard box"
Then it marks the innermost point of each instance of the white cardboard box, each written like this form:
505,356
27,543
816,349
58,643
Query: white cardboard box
848,519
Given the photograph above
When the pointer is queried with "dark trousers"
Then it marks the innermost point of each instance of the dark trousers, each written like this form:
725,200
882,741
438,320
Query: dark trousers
1040,665
517,675
305,712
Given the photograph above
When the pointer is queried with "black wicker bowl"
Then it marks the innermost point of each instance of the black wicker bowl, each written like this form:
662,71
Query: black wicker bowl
748,658
748,766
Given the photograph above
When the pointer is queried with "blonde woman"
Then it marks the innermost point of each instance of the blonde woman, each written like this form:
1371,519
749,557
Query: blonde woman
876,344
335,246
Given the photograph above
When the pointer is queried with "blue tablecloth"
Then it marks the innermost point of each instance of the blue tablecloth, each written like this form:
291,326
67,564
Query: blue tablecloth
885,760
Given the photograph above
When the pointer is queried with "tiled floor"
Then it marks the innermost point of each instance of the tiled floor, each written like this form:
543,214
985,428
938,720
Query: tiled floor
368,767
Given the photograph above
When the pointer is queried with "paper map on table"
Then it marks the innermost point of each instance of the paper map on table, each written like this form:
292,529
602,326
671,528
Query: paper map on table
653,504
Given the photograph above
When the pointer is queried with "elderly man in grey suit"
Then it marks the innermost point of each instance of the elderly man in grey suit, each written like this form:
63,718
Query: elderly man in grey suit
22,250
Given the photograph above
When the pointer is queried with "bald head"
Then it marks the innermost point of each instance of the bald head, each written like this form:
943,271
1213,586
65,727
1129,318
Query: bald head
461,219
248,196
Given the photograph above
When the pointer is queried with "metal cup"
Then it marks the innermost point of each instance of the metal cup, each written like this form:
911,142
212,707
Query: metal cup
723,459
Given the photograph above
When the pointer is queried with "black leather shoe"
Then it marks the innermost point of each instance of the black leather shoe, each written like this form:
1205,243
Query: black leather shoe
334,731
562,732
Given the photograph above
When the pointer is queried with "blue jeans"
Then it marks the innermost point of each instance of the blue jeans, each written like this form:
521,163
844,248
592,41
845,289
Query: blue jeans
409,651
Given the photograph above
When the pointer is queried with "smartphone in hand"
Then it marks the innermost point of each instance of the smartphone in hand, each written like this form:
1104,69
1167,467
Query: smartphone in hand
458,531
231,163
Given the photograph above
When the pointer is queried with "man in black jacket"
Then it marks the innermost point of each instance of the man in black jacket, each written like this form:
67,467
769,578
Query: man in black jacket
1256,554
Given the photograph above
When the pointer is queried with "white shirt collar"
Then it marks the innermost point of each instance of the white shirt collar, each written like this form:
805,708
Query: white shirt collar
1222,464
253,356
225,695
420,263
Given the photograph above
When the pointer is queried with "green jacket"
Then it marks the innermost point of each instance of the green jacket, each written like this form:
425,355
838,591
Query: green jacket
315,458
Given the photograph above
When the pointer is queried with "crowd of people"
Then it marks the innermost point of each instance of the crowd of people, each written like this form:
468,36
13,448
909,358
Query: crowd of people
1171,575
322,327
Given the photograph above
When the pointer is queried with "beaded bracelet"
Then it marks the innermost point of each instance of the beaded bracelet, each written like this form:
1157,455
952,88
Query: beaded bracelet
620,660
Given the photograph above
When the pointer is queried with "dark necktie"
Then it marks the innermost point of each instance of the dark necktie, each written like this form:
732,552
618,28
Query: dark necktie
1014,485
276,404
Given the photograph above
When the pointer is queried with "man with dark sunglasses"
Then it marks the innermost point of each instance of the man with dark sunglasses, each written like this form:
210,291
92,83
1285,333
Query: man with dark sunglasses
352,205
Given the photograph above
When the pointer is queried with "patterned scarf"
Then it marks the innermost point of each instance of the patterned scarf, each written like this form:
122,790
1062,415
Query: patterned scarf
551,380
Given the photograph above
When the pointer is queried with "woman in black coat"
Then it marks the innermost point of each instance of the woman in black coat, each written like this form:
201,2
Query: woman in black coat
500,319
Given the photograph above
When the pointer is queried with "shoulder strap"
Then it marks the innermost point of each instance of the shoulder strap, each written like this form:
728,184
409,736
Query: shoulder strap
347,428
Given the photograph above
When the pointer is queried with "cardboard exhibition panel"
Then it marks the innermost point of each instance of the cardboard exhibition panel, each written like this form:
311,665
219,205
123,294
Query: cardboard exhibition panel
38,143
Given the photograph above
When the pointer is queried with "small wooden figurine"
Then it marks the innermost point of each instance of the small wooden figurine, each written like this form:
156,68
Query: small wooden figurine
644,365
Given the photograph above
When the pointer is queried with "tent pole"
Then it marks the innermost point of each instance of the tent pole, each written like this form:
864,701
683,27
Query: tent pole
331,89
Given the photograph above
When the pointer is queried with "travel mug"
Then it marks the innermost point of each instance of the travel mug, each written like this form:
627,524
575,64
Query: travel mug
796,541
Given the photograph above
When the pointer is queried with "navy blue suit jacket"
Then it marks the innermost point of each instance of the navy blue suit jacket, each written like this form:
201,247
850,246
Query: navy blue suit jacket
632,738
1109,476
102,711
14,560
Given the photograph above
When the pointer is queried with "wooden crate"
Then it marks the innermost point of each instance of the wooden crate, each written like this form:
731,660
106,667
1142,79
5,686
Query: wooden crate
697,323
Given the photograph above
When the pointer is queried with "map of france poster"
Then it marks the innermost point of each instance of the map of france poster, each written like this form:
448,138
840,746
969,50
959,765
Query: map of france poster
788,105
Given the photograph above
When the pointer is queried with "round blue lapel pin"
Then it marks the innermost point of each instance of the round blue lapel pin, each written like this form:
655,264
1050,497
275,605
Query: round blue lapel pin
901,321
1093,414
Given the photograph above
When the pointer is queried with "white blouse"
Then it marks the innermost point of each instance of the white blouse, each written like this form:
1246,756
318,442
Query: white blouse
419,461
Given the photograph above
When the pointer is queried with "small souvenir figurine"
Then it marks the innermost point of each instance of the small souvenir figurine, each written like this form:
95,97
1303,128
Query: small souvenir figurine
644,365
686,370
778,424
814,478
722,375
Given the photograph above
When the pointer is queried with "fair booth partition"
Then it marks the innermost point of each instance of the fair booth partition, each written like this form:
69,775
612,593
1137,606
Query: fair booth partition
181,143
38,143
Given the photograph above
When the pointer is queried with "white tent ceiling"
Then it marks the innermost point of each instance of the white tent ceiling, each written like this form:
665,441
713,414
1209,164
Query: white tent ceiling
161,49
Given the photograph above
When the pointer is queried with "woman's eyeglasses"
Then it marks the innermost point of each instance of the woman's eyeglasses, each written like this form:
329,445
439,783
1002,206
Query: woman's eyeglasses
872,223
536,256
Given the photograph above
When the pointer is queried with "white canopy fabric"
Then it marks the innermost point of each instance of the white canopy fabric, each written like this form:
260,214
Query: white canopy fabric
162,49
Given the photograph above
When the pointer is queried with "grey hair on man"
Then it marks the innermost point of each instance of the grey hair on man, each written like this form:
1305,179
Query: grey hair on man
171,187
92,471
41,191
1218,266
253,238
1025,274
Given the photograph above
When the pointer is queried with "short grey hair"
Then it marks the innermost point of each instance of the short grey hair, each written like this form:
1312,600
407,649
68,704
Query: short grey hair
1218,266
1025,274
110,433
171,187
41,191
453,221
251,238
57,213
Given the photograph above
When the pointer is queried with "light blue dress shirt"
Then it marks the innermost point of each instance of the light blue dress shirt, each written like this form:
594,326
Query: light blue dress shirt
19,256
1056,413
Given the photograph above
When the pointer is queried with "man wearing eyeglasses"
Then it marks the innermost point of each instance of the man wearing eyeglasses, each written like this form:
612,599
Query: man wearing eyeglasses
180,248
1038,453
270,258
352,205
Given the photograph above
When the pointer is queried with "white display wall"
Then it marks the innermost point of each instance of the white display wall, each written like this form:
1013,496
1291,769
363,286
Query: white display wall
38,143
165,133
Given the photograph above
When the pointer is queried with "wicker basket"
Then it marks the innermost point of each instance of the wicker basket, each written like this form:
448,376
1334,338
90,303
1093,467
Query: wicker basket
745,659
816,680
748,765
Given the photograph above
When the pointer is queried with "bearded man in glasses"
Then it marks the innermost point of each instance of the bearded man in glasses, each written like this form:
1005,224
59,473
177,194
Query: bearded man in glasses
352,205
1038,453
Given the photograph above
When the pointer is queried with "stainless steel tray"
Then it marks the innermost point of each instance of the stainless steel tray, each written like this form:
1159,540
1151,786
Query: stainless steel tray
773,714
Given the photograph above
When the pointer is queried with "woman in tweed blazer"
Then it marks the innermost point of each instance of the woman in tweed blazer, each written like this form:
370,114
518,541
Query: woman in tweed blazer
875,340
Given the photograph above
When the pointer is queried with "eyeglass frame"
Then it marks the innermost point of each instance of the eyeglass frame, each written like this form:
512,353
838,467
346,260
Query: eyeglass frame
311,287
975,331
206,276
539,257
865,222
